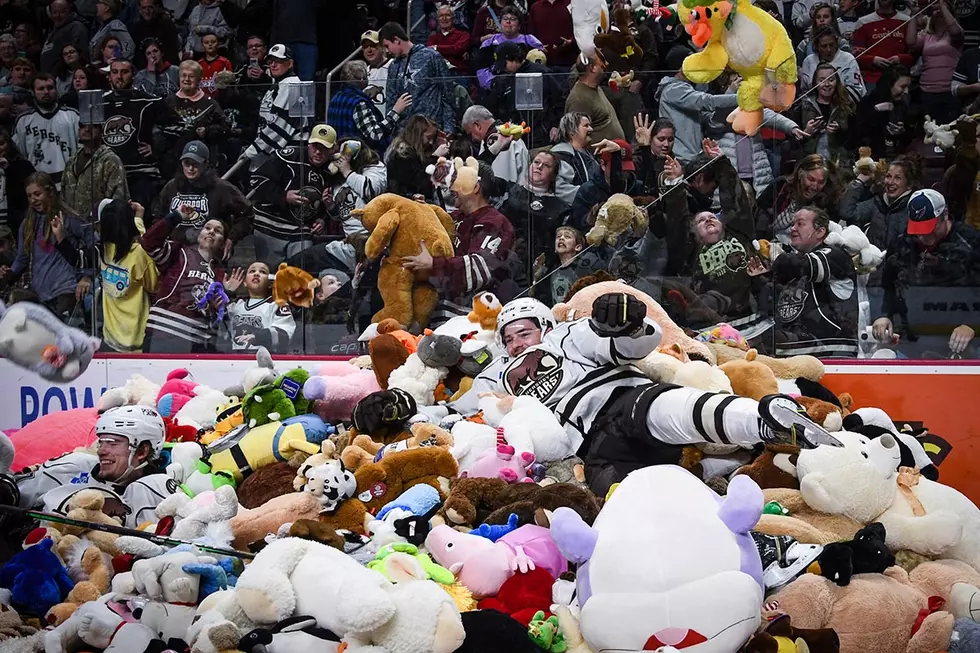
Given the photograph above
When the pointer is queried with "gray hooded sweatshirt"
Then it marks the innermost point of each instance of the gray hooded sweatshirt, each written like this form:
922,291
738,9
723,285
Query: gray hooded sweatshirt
682,104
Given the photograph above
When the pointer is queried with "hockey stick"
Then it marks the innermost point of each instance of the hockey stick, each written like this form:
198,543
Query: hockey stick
162,540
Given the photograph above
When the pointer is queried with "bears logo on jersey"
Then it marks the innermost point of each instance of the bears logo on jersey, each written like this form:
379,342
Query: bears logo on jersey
535,373
117,130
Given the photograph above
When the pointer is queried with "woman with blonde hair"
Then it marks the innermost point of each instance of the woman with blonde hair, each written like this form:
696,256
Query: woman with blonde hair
49,244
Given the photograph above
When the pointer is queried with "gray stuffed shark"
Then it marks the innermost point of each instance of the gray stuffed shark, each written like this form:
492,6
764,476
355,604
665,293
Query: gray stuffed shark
32,337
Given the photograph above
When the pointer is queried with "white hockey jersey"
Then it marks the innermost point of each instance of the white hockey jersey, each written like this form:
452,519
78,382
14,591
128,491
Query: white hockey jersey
576,372
48,140
258,323
52,485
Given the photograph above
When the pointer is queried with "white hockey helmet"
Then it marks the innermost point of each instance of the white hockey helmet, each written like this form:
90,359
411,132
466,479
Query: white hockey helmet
524,308
135,423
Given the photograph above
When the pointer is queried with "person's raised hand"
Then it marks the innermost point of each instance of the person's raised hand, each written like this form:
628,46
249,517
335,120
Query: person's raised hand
234,280
673,168
58,227
711,148
960,339
642,127
187,212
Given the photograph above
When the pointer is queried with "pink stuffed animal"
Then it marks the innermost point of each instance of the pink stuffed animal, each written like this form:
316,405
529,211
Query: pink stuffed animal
483,566
176,391
502,462
338,388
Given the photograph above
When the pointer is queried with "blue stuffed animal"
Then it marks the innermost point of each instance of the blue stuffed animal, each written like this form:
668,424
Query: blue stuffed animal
36,579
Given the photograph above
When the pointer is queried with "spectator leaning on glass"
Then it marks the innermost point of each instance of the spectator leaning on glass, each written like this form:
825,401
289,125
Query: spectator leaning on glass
49,245
881,212
936,252
277,129
176,325
47,136
129,276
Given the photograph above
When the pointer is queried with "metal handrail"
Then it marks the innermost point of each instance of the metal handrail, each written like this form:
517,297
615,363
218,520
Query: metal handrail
357,52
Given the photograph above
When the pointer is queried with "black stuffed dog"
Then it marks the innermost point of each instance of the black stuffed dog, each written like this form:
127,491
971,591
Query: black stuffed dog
867,553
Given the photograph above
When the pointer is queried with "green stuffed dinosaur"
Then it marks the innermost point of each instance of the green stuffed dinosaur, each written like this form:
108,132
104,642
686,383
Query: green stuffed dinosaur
433,571
292,384
266,403
546,633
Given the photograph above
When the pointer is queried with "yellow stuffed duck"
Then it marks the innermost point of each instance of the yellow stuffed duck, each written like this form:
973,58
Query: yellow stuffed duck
735,34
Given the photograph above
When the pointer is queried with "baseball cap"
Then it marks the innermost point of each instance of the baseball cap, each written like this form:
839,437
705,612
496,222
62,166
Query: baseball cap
324,135
279,51
627,155
196,151
925,206
507,51
371,36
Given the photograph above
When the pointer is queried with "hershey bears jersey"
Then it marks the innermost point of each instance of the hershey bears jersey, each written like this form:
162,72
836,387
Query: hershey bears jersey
48,140
259,322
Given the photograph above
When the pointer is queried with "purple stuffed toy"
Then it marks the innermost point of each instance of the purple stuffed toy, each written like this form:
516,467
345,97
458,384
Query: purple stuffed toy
215,290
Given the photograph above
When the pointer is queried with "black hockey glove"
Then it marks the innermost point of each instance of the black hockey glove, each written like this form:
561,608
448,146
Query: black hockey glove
617,314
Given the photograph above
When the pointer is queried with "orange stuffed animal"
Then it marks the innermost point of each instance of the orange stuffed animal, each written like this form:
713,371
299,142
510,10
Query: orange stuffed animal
486,308
294,286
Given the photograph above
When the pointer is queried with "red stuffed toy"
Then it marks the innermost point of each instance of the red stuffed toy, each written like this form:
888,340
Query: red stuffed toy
522,595
179,432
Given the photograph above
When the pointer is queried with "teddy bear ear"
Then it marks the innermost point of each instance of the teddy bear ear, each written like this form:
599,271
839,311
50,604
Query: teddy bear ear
458,163
472,163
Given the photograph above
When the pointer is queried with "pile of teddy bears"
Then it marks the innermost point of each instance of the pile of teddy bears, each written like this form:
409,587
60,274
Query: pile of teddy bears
343,508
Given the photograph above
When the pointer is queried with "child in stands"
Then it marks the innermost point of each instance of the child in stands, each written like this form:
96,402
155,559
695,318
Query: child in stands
212,63
257,321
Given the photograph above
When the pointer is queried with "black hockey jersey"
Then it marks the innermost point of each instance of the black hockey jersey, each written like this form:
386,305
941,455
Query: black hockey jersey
288,169
816,301
130,116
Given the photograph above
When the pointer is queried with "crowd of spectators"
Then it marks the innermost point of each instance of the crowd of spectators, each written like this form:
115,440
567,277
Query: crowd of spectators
198,167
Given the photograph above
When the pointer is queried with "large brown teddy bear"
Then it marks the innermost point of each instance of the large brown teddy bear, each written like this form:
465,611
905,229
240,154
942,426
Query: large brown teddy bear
877,613
401,225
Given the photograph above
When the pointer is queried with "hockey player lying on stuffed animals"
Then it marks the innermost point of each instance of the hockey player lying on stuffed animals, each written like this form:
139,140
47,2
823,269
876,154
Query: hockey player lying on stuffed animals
584,371
130,439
